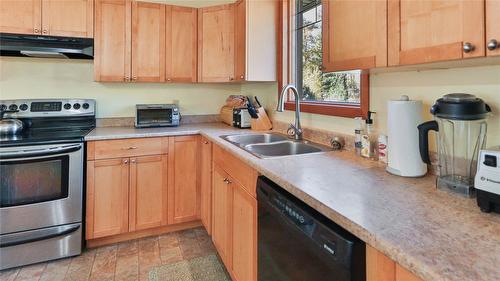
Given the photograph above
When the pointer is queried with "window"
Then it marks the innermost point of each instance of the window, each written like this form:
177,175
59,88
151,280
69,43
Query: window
331,93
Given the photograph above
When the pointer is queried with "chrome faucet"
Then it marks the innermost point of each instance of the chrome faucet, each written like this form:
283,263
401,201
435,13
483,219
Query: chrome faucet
296,129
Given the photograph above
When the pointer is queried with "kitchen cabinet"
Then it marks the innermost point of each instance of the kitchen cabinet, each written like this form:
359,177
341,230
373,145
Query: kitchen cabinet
365,48
107,197
183,191
148,192
381,268
234,207
216,43
492,28
112,40
71,18
181,44
148,42
206,184
438,30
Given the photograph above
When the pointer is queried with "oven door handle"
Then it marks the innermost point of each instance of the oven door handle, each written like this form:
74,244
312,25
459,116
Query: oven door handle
10,240
40,152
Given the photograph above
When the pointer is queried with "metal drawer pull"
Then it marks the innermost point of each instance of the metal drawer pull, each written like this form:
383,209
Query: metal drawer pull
227,181
493,44
468,47
131,147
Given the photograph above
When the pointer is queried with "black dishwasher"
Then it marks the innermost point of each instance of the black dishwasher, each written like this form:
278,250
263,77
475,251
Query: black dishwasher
297,243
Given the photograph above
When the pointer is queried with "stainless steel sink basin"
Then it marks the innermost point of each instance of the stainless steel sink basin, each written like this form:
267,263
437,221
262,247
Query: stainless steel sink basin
244,139
267,145
283,148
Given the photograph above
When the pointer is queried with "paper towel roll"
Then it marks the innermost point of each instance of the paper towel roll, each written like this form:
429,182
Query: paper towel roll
403,117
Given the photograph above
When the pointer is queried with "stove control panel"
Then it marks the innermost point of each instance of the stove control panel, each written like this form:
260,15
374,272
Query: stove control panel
49,107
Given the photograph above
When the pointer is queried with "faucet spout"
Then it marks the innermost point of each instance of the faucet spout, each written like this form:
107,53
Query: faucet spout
281,107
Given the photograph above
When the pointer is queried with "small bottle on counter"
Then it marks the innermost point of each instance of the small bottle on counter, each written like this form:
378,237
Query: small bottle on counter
382,148
358,132
369,139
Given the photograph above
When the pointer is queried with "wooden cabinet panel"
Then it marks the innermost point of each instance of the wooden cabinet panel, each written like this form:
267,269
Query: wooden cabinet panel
128,147
378,266
404,275
21,16
221,215
240,40
206,184
344,49
112,40
107,197
216,44
492,27
428,31
244,237
181,44
148,192
183,194
72,18
148,42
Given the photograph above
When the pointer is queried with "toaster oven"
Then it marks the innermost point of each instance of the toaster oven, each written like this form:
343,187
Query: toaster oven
157,115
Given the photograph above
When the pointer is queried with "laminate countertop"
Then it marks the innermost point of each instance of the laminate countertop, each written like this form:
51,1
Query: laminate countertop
435,234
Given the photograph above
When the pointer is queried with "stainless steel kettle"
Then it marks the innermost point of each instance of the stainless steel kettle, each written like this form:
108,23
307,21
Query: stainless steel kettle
10,126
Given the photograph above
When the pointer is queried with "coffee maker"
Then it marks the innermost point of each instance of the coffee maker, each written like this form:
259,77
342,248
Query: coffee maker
460,123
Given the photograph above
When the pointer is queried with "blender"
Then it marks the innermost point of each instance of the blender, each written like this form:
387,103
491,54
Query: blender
460,123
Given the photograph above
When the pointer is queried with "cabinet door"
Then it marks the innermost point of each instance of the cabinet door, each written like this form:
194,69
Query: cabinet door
72,18
427,31
492,27
216,44
107,197
240,40
221,215
206,184
148,192
244,228
21,16
365,48
112,41
148,42
181,45
183,193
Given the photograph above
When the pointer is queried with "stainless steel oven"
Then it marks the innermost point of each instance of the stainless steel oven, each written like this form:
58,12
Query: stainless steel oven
41,199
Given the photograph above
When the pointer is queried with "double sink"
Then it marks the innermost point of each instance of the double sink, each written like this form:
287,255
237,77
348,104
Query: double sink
267,145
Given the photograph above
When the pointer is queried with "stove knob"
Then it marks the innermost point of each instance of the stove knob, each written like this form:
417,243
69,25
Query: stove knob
13,107
3,107
23,107
76,106
85,106
67,106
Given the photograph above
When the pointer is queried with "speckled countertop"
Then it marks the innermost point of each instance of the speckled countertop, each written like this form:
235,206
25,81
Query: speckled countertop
435,234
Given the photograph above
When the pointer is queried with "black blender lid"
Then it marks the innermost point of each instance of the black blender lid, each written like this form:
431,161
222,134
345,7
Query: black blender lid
460,107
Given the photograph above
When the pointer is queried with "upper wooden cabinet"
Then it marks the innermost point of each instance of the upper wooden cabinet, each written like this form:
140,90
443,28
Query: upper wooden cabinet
428,31
216,44
492,28
346,49
181,44
256,40
72,18
112,43
148,42
21,16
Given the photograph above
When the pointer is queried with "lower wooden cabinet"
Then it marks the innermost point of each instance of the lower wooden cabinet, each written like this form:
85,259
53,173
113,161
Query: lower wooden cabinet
206,184
381,268
221,215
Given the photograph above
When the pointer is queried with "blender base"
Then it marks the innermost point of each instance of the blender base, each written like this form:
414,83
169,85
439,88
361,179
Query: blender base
488,201
456,185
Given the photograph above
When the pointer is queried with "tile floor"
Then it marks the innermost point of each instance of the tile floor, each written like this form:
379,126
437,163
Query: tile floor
125,261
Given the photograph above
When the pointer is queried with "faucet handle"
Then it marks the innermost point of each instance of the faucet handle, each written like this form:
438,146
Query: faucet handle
294,131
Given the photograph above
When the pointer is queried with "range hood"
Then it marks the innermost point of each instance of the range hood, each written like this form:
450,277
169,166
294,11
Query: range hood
20,45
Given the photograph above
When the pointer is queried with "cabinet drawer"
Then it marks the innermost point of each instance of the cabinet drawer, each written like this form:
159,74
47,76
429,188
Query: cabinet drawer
238,170
127,148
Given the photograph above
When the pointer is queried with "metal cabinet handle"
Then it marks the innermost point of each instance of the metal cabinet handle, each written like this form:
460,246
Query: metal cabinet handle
133,161
242,76
231,78
45,31
131,147
36,30
205,142
227,181
134,78
468,47
125,161
493,44
126,78
168,79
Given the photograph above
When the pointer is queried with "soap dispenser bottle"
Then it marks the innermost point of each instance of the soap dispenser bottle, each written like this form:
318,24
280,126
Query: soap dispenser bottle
358,133
369,139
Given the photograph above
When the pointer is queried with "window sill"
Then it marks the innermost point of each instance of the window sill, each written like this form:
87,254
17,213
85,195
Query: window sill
349,111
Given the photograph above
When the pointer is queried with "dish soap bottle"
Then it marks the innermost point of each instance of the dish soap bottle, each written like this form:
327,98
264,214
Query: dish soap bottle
369,139
358,133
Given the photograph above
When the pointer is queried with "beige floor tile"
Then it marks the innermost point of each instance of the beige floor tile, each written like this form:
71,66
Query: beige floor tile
56,270
149,254
169,240
31,272
9,274
104,263
127,267
128,248
170,255
81,266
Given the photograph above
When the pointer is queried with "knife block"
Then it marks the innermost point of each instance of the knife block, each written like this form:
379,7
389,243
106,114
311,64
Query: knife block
263,123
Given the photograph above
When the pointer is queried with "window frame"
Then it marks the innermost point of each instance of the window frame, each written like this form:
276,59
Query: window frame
287,63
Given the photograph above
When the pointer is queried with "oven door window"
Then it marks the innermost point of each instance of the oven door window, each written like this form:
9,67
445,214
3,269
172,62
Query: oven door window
155,116
33,181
